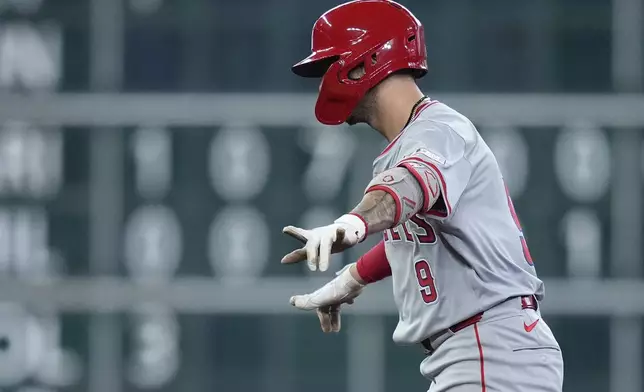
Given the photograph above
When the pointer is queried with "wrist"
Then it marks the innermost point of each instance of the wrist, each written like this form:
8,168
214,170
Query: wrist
356,223
349,277
353,270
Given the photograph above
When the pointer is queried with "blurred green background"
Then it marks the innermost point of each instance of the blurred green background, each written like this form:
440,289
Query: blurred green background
152,150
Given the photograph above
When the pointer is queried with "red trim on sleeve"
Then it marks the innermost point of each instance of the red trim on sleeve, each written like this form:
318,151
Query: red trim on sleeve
443,186
373,265
393,194
366,228
481,360
409,201
422,184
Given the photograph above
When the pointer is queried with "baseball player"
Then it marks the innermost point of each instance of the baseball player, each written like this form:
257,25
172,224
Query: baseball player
463,279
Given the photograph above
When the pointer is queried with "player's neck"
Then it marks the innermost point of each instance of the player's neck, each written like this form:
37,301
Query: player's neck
395,100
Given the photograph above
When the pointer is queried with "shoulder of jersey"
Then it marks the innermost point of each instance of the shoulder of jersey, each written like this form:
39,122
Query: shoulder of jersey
431,114
417,117
438,115
437,112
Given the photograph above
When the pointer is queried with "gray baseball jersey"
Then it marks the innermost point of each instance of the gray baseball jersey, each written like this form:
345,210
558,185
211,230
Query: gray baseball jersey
467,253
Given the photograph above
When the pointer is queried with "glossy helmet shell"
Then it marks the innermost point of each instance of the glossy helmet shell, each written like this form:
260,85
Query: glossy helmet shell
381,35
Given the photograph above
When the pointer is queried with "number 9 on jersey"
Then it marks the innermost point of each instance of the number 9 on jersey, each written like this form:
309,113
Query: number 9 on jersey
426,281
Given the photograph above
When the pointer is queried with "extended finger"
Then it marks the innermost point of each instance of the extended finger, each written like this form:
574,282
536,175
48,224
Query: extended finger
325,319
336,318
312,247
333,312
325,251
294,257
297,233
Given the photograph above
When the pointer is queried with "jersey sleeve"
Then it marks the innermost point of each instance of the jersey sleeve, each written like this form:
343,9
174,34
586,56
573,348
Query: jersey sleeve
435,154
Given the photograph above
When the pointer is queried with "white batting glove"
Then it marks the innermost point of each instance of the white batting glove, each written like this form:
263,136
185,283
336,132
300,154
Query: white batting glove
328,299
321,242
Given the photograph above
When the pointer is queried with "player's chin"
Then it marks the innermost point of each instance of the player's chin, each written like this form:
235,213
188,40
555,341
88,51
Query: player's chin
352,120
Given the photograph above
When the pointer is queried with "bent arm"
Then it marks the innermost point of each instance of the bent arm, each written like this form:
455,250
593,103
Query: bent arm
396,195
391,198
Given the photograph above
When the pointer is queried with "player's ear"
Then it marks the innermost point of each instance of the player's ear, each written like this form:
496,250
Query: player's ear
357,73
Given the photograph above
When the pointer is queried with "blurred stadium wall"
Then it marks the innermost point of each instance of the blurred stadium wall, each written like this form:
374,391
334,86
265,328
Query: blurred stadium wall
152,150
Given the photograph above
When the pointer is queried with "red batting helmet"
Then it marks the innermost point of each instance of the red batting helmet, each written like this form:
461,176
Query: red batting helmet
381,35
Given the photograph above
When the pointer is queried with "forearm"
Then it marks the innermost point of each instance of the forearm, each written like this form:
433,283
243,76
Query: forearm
394,196
378,210
391,198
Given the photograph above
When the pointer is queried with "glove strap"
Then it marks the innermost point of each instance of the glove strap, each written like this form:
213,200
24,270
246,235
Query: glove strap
356,223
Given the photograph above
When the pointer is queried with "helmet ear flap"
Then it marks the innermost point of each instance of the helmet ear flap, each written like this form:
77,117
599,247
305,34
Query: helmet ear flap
338,95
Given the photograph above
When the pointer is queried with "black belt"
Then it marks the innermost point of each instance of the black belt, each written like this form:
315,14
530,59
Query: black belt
527,302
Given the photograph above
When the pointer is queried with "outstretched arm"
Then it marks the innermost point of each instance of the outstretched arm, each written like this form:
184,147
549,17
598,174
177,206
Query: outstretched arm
391,198
396,195
377,210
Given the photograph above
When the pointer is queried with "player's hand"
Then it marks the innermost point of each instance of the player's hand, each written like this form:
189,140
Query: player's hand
327,300
321,242
330,319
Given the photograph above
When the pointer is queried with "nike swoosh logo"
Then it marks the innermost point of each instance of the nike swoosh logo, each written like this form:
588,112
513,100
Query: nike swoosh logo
530,327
